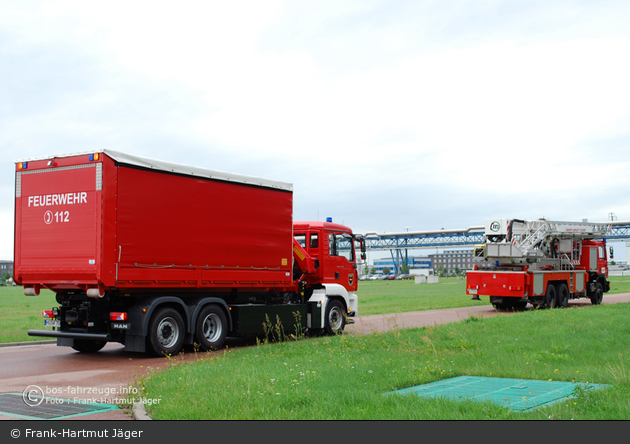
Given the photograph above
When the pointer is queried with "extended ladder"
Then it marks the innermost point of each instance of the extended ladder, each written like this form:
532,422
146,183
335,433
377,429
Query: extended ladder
536,231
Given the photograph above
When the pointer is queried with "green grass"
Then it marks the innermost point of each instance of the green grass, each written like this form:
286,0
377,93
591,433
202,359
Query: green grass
382,297
19,313
619,284
345,377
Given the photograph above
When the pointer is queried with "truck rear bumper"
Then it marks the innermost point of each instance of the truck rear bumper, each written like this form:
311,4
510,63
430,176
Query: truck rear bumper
71,335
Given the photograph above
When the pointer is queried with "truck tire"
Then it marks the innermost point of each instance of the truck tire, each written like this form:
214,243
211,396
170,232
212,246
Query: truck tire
499,306
335,321
519,305
166,332
550,296
562,295
598,295
498,303
514,304
87,346
211,328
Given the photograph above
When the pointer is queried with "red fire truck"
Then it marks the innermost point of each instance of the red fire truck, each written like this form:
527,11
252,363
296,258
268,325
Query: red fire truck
541,262
156,255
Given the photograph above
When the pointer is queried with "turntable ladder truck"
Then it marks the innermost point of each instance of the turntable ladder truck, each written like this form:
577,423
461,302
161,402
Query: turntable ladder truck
541,262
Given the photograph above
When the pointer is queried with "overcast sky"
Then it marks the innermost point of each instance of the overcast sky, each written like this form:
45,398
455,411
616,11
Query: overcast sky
383,114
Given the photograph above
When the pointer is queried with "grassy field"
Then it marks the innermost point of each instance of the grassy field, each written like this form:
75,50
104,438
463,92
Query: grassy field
346,377
381,297
19,313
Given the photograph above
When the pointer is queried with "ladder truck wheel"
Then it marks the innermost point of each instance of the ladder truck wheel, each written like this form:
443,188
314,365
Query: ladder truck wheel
598,296
537,302
166,332
87,346
496,304
563,295
520,305
550,296
211,328
335,320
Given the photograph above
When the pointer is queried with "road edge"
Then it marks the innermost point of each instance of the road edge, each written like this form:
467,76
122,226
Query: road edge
140,413
17,344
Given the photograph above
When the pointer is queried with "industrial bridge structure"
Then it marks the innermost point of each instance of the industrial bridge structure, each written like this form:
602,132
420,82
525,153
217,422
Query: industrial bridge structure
398,243
620,231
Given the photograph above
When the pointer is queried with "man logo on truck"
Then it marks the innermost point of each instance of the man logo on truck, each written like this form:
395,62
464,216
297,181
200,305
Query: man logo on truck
495,226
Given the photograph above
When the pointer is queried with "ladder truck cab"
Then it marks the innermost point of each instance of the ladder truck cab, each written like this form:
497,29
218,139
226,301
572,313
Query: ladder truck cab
541,262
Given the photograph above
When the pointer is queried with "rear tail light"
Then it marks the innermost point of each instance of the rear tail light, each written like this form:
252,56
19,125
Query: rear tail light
118,316
49,314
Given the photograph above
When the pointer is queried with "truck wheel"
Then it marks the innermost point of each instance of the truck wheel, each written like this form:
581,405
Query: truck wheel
87,346
550,296
563,295
211,328
598,296
166,332
498,303
520,305
334,321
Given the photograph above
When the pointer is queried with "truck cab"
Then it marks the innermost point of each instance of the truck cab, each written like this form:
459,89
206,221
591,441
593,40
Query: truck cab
326,260
332,248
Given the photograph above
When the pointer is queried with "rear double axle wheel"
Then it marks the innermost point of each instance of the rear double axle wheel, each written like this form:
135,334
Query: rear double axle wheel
166,332
550,299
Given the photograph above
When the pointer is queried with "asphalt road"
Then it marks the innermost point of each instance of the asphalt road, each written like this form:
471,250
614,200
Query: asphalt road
65,373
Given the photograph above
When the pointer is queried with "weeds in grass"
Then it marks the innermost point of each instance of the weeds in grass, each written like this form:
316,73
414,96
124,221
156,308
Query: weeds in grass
299,330
273,332
618,371
471,318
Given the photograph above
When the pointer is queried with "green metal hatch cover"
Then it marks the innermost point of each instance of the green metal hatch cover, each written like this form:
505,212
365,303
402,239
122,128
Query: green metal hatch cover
13,405
517,394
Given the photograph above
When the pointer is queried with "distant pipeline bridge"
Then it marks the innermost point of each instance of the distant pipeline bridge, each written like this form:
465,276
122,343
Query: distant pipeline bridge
399,243
620,231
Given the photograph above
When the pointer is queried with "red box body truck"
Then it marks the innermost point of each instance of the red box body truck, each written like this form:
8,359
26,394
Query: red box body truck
156,255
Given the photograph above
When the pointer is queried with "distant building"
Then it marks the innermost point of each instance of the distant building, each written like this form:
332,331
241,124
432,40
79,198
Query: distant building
451,260
418,262
6,267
